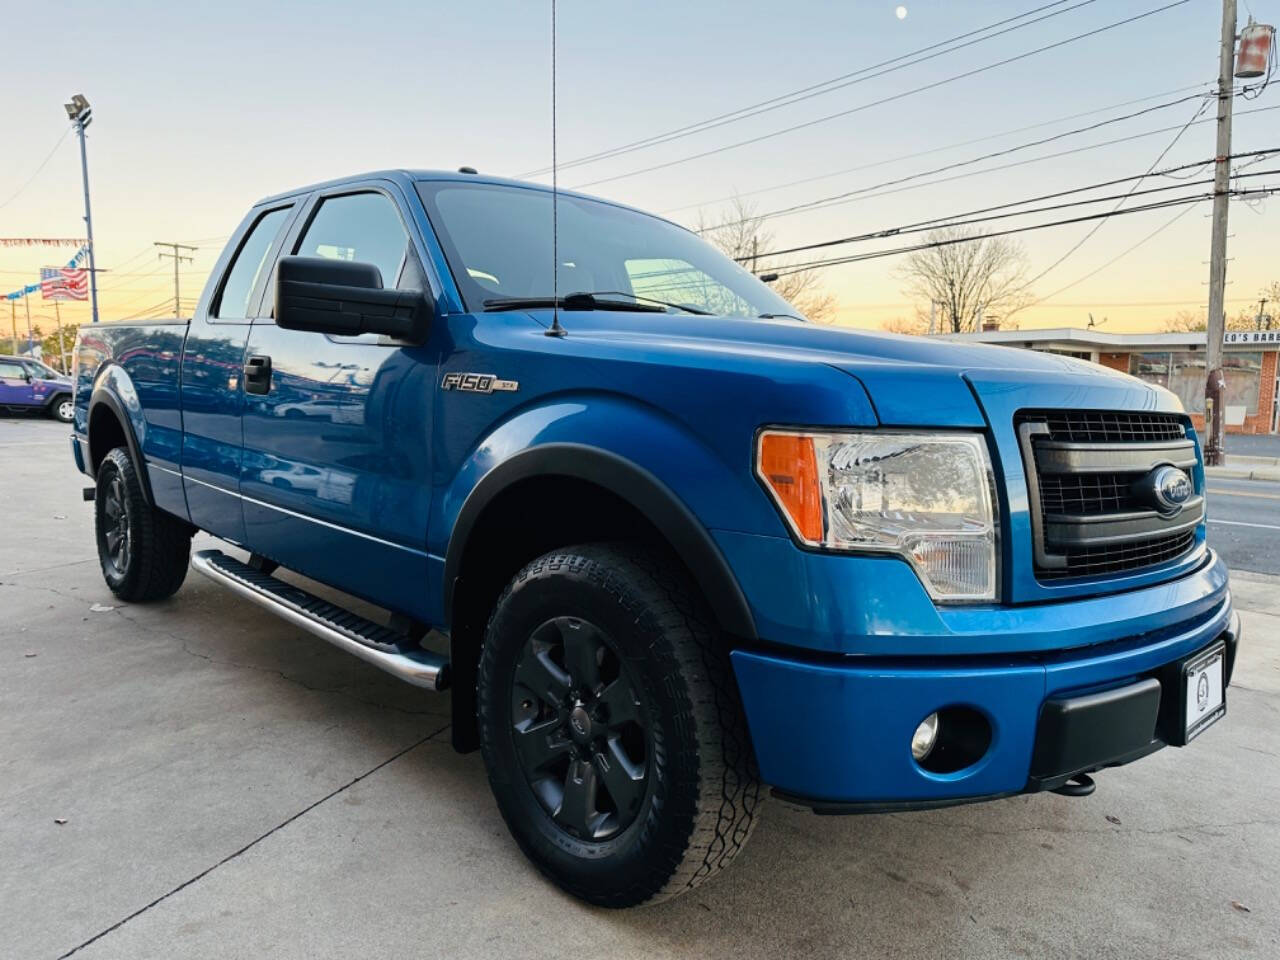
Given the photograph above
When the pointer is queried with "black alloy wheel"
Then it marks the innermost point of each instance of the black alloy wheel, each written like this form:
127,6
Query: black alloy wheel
114,545
578,729
611,726
143,551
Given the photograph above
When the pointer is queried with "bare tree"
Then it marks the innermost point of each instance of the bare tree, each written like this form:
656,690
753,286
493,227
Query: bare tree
968,275
1197,321
905,325
741,235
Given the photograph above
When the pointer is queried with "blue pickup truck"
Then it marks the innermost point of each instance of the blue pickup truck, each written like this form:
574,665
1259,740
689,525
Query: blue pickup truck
665,541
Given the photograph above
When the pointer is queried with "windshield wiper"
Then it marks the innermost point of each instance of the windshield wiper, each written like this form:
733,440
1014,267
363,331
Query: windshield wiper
698,311
574,301
779,316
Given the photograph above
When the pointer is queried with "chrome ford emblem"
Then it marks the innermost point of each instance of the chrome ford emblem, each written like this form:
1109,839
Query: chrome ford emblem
1167,488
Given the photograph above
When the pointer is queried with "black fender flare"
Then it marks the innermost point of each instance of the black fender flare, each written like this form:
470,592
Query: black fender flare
677,524
101,397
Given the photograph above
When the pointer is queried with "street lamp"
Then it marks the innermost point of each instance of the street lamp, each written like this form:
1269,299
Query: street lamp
81,115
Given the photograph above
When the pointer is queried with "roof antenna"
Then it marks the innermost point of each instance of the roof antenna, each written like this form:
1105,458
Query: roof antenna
555,330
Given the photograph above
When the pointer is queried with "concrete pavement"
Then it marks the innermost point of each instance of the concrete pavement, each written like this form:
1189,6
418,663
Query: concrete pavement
234,788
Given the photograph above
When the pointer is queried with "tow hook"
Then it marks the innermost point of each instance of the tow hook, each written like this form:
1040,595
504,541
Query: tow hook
1081,785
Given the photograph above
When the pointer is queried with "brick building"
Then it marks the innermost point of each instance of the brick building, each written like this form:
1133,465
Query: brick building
1175,361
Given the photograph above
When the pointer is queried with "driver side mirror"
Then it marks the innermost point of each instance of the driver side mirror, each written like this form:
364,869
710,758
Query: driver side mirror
344,298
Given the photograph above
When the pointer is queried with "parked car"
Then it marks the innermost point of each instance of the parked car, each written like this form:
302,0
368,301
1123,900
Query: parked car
682,543
28,385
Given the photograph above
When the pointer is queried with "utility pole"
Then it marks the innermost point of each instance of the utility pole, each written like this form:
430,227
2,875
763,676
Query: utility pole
1215,384
62,344
177,259
81,116
1262,313
26,300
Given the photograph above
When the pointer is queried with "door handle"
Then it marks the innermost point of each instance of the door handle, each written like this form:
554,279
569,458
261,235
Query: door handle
257,374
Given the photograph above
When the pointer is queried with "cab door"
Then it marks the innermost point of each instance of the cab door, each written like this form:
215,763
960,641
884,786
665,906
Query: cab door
212,395
336,474
15,384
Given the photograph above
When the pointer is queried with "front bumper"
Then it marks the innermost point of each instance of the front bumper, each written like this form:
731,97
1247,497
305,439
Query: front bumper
834,732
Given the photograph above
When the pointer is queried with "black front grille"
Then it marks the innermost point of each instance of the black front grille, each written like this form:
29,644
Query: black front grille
1087,493
1095,561
1088,471
1104,426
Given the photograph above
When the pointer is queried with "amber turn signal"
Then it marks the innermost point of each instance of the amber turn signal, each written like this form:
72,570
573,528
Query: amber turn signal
789,466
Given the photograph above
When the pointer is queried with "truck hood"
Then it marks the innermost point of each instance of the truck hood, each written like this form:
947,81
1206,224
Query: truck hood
911,381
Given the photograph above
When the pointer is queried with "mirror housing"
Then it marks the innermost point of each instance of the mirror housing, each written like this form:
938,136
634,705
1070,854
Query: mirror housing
344,298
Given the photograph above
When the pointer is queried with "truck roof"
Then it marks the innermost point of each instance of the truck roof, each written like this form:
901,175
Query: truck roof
406,177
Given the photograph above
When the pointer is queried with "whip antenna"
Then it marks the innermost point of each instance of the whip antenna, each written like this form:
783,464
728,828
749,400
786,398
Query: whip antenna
556,330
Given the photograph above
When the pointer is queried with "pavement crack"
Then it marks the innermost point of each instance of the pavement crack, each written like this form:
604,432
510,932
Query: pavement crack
251,844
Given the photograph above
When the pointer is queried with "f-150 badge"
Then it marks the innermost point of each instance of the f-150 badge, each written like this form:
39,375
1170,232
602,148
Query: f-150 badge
477,383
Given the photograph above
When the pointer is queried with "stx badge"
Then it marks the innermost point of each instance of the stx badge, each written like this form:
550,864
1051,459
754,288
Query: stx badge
477,383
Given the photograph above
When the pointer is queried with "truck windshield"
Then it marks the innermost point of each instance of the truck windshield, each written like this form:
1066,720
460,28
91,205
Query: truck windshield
498,243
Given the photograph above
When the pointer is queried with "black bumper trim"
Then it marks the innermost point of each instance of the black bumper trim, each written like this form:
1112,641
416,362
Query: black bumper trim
1083,733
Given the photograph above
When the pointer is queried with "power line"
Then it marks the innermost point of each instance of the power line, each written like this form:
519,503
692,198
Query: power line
942,149
889,99
878,254
999,153
43,163
119,280
818,89
864,193
1120,256
162,305
980,215
1098,226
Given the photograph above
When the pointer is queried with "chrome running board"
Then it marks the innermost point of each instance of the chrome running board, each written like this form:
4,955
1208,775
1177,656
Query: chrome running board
347,631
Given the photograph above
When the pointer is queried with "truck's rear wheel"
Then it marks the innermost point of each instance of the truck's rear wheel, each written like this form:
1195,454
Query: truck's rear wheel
611,727
144,553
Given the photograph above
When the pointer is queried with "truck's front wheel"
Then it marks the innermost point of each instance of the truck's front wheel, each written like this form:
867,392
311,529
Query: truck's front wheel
611,727
143,552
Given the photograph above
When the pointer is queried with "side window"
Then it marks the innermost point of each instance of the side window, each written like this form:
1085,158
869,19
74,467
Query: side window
246,268
363,227
11,371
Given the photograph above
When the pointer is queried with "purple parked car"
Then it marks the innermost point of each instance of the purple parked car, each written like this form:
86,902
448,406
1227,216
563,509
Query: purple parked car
27,384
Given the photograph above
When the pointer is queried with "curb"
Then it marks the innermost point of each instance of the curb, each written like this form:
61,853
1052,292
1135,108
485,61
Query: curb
1270,474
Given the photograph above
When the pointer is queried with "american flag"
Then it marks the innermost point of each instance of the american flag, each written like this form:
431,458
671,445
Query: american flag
64,283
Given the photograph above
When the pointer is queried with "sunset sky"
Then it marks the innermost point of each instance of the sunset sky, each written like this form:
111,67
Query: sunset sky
201,109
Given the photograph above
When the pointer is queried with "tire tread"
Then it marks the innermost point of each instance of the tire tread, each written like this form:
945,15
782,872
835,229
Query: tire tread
162,548
727,795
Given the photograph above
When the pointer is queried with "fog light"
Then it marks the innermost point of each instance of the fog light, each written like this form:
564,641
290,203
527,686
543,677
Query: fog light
923,739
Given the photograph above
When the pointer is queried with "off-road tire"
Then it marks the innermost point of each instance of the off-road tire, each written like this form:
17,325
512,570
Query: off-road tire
158,546
703,793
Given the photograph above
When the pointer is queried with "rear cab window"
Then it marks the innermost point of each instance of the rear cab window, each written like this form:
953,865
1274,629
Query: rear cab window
246,268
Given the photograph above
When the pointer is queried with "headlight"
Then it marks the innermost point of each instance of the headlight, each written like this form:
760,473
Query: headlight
924,496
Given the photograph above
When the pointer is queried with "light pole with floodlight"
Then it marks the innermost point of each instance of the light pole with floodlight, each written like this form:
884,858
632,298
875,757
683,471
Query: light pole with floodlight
81,115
